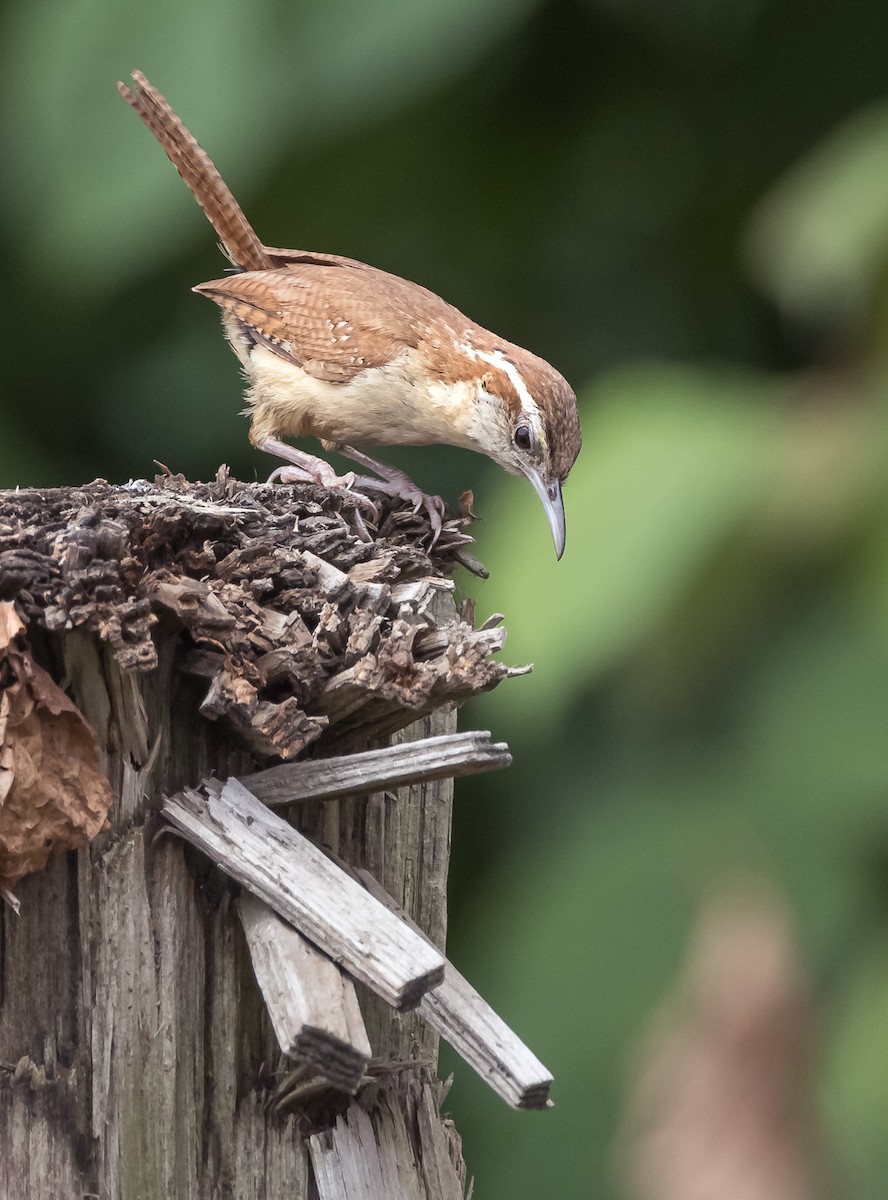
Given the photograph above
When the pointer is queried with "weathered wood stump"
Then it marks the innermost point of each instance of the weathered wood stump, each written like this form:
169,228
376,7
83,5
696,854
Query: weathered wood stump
206,632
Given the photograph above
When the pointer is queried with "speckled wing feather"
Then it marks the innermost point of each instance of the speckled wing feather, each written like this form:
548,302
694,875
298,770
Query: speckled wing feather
318,309
310,319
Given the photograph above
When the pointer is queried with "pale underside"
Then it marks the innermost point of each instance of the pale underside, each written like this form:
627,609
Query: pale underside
383,406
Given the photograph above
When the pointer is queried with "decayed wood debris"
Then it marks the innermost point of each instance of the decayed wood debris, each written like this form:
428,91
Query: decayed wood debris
301,629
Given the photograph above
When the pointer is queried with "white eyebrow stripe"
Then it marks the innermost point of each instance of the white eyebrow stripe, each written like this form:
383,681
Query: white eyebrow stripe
528,405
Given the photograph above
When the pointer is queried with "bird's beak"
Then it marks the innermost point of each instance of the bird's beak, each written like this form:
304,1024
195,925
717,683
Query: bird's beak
550,494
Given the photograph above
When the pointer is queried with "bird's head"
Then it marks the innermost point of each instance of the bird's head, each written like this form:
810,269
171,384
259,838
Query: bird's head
526,420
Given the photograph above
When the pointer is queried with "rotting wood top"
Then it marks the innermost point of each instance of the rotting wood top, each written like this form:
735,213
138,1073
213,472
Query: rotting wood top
300,628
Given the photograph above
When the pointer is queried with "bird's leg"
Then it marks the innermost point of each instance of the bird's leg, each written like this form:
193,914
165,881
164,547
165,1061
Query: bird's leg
396,483
308,468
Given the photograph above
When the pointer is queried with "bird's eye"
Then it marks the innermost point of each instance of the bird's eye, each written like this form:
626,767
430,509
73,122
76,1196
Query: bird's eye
523,439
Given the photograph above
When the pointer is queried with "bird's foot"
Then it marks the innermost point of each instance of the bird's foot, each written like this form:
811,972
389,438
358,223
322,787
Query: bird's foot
329,479
307,468
400,486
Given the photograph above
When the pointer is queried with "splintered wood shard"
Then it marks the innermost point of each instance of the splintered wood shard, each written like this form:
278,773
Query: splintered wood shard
393,1151
313,1006
294,877
444,757
463,1018
456,1011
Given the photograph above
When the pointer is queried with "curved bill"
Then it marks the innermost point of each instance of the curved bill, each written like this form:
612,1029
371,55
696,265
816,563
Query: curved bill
550,494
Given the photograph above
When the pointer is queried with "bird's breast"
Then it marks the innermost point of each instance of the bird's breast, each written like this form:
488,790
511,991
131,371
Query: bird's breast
395,404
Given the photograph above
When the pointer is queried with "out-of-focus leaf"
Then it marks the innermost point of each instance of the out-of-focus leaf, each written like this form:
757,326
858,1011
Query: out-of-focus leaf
694,26
818,241
249,78
854,1096
832,471
673,462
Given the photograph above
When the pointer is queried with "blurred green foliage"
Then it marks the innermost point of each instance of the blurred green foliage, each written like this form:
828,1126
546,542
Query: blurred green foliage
685,207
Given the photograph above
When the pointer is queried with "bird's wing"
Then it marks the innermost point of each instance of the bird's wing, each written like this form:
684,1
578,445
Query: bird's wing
317,312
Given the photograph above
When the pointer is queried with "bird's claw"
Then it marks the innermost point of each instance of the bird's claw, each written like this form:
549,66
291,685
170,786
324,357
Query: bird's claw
360,527
395,483
433,505
290,475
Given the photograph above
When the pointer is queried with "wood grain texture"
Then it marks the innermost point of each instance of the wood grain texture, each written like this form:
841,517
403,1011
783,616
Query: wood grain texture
394,1151
311,1002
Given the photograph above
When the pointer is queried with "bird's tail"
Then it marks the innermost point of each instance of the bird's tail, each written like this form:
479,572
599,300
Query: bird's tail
195,166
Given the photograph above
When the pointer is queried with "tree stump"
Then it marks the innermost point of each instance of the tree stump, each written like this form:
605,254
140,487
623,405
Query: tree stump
201,632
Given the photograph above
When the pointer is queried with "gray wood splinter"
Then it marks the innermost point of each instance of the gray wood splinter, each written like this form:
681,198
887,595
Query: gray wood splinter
312,1005
445,757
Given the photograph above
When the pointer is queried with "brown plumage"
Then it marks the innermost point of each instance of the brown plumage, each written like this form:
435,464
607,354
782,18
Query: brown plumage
350,354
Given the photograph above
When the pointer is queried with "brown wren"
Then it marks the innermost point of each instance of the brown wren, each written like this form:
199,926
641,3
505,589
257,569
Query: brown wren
355,356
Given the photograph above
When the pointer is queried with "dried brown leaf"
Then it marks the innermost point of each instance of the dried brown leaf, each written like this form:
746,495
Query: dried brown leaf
53,794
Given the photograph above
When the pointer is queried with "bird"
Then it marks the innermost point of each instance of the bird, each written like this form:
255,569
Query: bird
355,356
